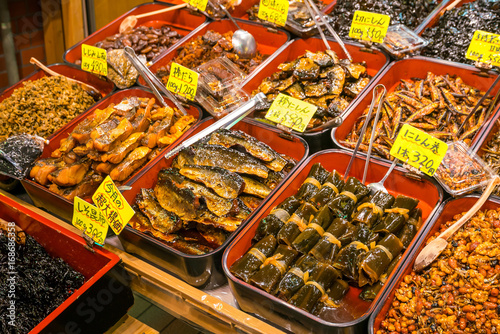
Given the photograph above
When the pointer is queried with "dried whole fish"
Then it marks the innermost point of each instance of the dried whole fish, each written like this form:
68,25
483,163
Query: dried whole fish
42,106
321,79
437,104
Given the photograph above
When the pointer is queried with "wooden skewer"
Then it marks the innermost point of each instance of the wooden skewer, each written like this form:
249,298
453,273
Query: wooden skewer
131,21
451,6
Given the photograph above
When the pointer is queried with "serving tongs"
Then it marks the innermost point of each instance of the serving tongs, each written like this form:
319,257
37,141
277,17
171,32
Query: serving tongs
226,122
151,79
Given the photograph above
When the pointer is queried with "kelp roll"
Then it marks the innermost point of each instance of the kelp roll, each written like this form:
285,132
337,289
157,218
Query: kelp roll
296,223
331,188
343,205
328,246
397,215
249,263
370,291
311,185
275,220
378,259
333,297
348,258
363,234
370,212
273,268
308,295
314,231
296,277
410,229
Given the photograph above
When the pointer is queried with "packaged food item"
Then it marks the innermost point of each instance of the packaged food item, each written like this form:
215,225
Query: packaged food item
400,41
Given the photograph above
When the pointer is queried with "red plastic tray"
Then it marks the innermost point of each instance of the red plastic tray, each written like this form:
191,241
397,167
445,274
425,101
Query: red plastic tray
199,270
59,205
445,213
416,67
181,20
59,242
252,299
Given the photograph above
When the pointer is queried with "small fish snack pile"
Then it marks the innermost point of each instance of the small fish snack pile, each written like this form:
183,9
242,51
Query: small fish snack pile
42,106
449,39
210,46
42,284
492,156
321,79
458,292
437,105
408,12
330,235
114,141
209,191
213,7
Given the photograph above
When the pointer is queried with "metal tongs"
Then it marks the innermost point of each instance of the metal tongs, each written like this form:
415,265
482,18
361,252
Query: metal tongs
226,122
153,82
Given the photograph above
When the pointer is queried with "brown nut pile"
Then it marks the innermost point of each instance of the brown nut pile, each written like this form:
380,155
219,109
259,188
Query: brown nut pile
459,292
42,106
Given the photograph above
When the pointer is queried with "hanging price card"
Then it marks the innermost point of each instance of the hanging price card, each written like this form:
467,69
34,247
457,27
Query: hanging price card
274,11
113,205
200,4
291,112
182,81
368,26
94,60
484,47
90,220
419,149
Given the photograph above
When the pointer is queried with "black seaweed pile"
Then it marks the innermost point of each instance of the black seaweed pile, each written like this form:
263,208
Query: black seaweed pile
451,36
408,12
42,284
22,150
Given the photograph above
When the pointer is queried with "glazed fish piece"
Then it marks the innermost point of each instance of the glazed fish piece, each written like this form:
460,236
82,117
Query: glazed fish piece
70,175
214,236
355,88
320,58
116,155
229,224
43,167
134,160
122,131
306,69
253,146
162,220
252,202
317,90
83,130
253,187
225,183
355,70
296,91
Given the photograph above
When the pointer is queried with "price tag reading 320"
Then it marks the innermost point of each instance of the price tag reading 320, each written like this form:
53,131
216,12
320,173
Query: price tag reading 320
182,81
94,60
484,47
90,220
291,112
419,149
368,26
200,4
274,11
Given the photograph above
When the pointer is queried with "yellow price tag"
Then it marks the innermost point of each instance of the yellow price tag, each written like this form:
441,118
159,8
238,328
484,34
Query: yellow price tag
291,112
369,26
113,205
274,11
90,220
200,4
484,47
183,81
419,149
94,60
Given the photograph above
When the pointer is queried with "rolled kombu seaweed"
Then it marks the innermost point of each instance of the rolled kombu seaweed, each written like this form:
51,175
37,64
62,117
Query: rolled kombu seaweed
275,220
329,189
248,264
370,291
372,210
343,205
327,247
397,215
311,185
296,276
296,223
348,258
314,230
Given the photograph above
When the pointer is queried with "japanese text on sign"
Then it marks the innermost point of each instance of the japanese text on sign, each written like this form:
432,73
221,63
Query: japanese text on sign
90,220
419,149
94,60
113,205
182,81
291,112
369,26
484,47
274,11
200,4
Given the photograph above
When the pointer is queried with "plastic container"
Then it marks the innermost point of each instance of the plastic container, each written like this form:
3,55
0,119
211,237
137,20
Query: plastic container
400,41
106,283
199,270
460,156
181,20
416,67
376,62
446,211
355,311
52,202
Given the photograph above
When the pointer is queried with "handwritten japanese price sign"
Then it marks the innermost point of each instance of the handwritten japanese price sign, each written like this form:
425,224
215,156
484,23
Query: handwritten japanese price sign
113,205
94,60
182,81
419,149
291,112
200,4
369,26
274,11
484,47
90,220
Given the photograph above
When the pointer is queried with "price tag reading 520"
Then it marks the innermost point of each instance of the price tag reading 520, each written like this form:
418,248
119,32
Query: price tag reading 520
182,81
274,11
291,112
419,149
368,26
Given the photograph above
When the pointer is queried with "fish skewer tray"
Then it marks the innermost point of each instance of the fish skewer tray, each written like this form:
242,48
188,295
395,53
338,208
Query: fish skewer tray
204,271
